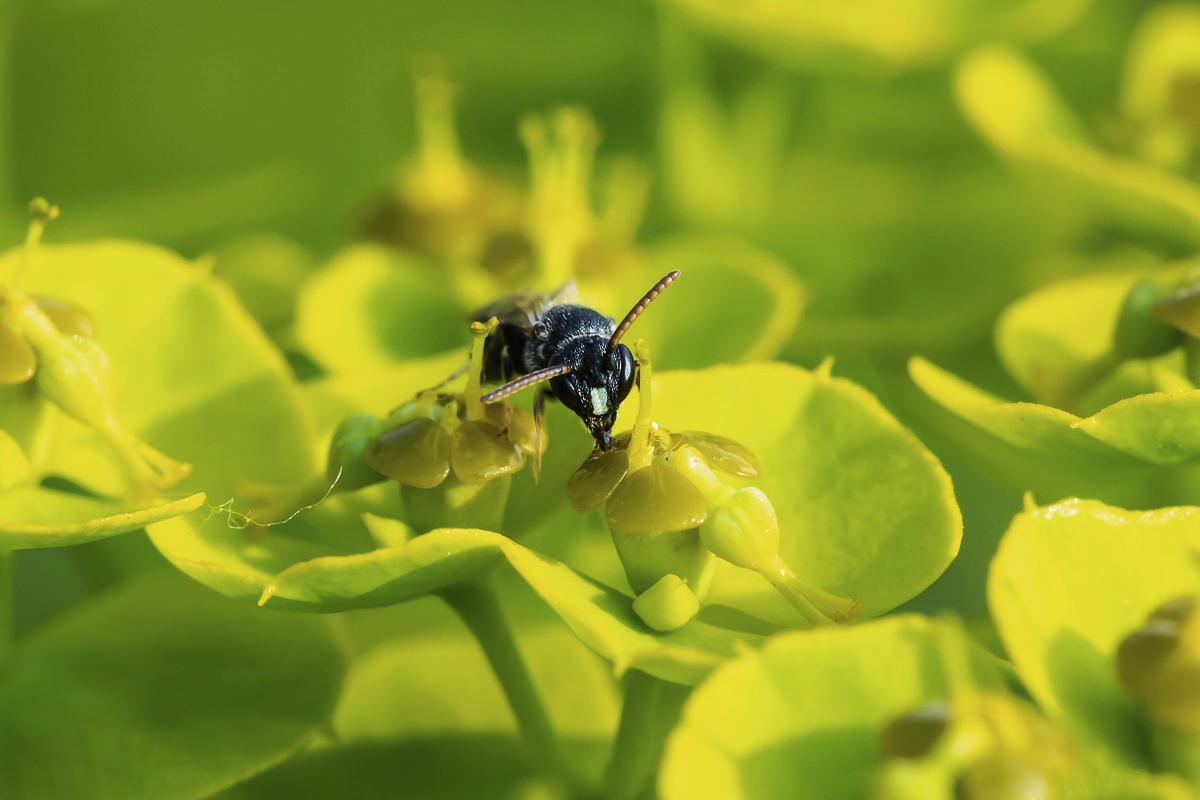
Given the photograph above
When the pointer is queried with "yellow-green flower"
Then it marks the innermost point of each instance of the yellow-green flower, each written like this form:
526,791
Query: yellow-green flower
974,745
1159,664
443,449
675,503
47,345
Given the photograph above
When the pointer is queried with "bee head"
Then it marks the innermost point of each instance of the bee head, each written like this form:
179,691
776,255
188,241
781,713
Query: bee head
599,380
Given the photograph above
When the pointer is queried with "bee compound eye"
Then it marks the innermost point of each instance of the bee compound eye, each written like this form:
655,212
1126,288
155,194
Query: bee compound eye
566,390
625,371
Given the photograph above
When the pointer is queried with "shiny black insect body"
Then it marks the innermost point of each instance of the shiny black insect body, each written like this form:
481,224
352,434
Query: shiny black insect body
576,350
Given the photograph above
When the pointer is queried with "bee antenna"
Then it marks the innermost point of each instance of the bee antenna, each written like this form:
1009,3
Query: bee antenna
512,387
633,314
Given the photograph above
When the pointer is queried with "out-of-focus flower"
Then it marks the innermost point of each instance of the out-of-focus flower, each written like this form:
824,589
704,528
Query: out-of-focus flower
975,745
442,205
1159,664
49,342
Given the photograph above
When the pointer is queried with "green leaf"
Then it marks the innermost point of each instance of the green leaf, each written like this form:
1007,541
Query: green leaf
1164,52
286,573
1034,447
420,567
429,677
162,690
873,35
1013,106
823,444
728,286
373,306
193,374
227,557
485,766
864,509
605,621
266,272
1067,584
58,519
802,716
1052,340
375,389
1158,428
1011,103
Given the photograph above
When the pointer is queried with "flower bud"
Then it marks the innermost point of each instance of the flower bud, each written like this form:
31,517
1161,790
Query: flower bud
979,746
1160,664
74,375
346,462
1139,332
653,516
18,361
453,455
667,605
416,453
591,485
671,514
479,452
656,498
53,337
744,530
914,735
1180,307
68,318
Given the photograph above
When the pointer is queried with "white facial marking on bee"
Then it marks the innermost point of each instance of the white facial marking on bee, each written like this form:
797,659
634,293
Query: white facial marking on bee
599,401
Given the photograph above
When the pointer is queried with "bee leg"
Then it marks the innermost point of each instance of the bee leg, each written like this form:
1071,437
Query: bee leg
539,409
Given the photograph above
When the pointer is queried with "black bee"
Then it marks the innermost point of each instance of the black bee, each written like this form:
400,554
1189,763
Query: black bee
577,350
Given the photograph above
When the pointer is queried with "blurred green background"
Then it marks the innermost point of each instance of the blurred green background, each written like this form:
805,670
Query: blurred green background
827,134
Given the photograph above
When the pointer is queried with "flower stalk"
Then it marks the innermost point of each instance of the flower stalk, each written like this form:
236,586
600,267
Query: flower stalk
8,575
633,752
479,607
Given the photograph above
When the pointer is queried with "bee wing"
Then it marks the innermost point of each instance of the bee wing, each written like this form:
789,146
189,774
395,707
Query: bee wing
525,308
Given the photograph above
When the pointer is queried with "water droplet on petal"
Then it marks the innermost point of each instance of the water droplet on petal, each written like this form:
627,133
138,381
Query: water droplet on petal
416,453
479,453
656,498
724,454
